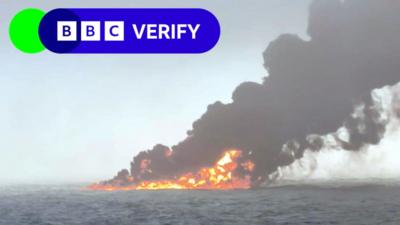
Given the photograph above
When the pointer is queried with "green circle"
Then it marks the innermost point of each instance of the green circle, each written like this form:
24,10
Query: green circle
24,30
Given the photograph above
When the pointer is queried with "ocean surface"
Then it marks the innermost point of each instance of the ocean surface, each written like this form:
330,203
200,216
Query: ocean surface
332,203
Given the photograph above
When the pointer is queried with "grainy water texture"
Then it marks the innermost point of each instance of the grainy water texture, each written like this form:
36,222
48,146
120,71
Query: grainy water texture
333,203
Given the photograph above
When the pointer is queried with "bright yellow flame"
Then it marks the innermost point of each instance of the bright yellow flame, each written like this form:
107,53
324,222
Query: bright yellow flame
219,176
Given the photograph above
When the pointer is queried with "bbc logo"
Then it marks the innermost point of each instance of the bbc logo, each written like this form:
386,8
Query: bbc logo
90,31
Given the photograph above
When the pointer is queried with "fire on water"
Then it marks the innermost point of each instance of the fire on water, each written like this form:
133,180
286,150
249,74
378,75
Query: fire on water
219,177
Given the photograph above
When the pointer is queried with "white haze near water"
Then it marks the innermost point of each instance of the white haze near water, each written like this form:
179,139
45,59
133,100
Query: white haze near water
373,162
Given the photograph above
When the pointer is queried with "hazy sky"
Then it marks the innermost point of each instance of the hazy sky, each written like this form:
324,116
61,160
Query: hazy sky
83,117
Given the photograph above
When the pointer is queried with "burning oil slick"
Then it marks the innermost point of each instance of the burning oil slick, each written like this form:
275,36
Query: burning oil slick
312,89
223,175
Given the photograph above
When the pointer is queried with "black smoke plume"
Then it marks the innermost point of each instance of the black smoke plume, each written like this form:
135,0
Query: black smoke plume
312,89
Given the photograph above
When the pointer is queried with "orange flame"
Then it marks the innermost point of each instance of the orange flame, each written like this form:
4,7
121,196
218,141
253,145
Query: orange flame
248,165
220,176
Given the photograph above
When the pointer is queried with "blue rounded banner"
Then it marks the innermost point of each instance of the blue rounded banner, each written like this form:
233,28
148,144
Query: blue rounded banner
129,30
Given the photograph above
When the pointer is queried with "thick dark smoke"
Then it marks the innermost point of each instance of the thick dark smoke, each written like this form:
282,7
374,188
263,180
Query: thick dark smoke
312,88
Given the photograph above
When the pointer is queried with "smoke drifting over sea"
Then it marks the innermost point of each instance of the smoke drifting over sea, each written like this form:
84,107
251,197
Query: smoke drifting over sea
314,87
333,162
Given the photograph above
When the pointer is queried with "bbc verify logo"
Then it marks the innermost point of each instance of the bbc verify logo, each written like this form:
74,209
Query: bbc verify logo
115,31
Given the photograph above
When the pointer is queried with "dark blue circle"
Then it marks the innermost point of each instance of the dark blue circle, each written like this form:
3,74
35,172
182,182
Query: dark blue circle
48,30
